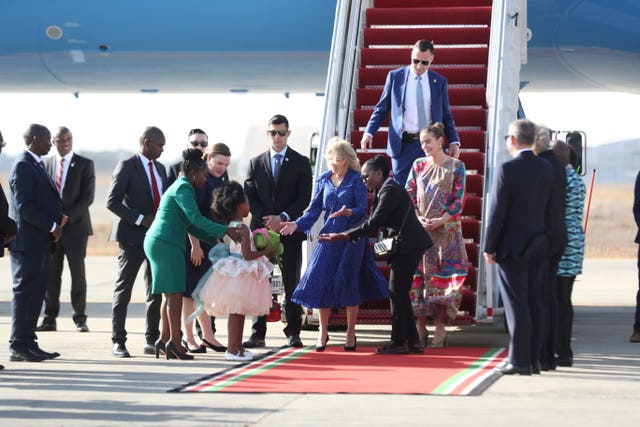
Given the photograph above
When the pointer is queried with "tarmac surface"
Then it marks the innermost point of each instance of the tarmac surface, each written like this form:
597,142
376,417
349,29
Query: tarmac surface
87,386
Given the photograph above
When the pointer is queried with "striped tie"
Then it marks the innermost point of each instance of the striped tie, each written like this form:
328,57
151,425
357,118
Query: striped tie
59,176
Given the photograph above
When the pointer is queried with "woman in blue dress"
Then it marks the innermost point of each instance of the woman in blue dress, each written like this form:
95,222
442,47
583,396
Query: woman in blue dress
342,274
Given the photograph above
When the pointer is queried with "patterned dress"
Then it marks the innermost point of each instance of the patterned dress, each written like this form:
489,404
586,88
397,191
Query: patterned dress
339,274
571,261
434,190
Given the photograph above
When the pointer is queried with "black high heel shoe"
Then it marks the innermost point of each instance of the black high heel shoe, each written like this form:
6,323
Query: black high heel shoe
218,348
159,348
199,349
173,353
352,347
323,346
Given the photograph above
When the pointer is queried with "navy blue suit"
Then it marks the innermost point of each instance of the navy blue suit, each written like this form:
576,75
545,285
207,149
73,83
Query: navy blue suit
517,233
35,207
392,102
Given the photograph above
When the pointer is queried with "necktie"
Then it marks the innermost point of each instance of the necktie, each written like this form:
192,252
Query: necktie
154,187
422,114
276,169
59,176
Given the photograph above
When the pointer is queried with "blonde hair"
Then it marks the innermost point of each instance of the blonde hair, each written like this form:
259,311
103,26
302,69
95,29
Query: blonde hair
343,149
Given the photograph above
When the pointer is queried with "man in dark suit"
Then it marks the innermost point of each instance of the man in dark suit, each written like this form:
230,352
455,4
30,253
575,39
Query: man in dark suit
75,180
516,239
557,235
278,186
7,225
414,97
635,337
134,196
37,210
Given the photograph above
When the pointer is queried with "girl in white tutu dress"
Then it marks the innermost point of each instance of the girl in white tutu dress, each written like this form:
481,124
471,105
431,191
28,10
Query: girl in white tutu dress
237,283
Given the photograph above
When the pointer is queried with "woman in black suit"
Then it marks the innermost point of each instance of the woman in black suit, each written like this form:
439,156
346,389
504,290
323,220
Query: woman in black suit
390,207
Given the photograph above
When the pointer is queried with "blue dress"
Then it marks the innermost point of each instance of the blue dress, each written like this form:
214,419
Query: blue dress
339,274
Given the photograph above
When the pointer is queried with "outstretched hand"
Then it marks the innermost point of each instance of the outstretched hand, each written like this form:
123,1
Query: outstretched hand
288,228
344,211
333,237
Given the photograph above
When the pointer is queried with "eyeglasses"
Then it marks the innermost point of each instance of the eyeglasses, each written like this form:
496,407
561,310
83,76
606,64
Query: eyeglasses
202,144
425,63
278,132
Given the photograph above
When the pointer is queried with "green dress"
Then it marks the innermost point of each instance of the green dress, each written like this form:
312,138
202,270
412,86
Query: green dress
164,243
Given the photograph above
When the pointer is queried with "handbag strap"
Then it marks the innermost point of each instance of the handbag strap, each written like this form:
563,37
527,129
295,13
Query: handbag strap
406,215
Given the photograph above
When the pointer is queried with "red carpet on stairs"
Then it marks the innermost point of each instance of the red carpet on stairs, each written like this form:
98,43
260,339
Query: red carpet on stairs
445,371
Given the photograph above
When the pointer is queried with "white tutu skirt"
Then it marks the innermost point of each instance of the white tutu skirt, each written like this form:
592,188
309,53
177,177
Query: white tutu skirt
238,286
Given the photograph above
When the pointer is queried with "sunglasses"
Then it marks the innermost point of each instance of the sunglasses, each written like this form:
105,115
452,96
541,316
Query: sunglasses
202,144
425,63
277,132
365,178
506,137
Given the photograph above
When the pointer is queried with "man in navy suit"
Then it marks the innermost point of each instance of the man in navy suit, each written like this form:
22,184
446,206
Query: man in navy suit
75,180
37,210
415,97
7,225
136,186
636,215
516,239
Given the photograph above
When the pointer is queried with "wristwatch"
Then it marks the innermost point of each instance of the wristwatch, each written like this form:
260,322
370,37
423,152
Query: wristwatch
283,217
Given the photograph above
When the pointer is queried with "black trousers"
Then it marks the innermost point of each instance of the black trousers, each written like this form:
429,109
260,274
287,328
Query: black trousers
403,324
74,248
521,289
550,306
636,325
30,270
564,287
130,259
291,266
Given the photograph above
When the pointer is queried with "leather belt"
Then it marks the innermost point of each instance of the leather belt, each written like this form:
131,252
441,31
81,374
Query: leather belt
410,137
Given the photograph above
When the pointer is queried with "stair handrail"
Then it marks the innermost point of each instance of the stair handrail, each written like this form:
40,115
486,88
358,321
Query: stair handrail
507,51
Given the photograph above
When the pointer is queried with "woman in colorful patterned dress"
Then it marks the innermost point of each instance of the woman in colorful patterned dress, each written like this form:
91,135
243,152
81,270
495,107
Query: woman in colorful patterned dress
436,185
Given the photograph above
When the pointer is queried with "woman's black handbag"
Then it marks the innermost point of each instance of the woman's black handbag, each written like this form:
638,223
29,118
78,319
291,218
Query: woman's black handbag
387,247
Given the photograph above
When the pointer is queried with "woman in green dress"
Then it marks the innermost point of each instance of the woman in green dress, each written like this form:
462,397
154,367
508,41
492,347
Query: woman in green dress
164,245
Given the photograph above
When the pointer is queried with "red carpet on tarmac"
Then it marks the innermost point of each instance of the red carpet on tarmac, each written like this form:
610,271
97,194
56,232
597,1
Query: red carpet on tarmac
443,371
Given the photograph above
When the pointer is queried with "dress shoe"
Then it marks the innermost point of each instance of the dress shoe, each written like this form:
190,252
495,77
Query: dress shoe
240,357
25,356
635,337
119,350
159,347
149,348
416,349
253,342
82,327
294,341
176,352
47,355
324,345
393,349
537,368
566,362
47,326
1,367
219,348
351,347
509,369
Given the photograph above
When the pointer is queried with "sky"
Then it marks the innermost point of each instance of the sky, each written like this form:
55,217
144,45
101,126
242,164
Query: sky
115,121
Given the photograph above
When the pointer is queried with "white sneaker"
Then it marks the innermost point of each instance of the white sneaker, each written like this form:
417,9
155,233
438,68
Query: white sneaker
237,357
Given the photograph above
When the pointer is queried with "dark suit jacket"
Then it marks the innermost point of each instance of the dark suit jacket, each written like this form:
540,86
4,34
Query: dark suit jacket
7,225
519,211
35,204
392,102
636,206
557,228
129,197
389,209
77,194
174,172
291,194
